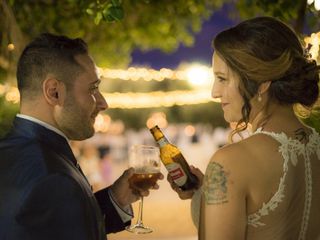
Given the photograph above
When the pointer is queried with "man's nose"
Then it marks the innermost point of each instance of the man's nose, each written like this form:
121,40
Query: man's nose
101,102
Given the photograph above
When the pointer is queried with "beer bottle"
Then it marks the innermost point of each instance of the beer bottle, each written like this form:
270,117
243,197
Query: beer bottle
174,161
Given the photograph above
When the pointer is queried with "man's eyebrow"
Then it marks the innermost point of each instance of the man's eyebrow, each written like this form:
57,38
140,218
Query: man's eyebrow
98,81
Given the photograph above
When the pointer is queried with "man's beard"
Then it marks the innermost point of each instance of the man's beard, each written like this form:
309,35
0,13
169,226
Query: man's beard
74,122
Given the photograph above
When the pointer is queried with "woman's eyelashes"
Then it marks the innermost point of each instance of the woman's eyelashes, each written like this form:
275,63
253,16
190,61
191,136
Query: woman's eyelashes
221,79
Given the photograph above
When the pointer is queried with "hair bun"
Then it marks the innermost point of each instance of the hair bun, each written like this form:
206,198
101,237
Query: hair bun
300,85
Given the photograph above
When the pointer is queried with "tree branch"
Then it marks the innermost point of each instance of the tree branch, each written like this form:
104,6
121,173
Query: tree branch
299,23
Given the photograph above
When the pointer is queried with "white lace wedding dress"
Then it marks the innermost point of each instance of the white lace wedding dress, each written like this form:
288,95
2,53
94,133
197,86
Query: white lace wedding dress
293,212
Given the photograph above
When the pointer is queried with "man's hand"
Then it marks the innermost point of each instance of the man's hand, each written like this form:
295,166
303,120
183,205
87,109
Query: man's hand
188,193
123,194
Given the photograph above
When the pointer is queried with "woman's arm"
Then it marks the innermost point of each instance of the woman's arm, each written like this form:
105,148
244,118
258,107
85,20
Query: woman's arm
223,206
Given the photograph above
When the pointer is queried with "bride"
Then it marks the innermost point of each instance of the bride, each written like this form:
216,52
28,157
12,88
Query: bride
267,185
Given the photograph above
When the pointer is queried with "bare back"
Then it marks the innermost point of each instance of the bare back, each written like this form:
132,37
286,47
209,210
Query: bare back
284,198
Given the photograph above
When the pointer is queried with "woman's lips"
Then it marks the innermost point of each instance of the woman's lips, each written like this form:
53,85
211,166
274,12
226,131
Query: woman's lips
224,104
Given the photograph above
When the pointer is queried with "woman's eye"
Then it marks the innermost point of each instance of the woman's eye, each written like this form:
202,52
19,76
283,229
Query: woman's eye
221,79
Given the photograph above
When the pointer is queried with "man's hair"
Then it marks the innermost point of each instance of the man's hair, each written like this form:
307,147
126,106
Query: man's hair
48,54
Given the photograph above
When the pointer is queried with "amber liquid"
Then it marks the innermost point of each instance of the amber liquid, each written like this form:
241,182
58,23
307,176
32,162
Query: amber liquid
174,161
143,181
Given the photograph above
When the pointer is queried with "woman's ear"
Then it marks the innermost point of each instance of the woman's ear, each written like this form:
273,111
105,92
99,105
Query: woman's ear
53,91
264,87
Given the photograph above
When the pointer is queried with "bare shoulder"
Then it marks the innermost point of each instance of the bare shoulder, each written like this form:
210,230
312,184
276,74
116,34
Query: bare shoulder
253,146
225,176
234,166
241,153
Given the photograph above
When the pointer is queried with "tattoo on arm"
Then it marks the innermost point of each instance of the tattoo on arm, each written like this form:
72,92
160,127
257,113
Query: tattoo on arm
215,184
301,135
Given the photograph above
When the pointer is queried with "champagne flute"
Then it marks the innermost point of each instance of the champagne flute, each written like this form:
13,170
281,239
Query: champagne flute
146,163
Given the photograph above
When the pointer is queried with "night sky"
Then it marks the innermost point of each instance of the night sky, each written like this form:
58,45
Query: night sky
201,51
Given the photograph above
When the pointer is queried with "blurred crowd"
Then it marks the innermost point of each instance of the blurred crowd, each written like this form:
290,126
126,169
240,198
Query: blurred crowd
104,156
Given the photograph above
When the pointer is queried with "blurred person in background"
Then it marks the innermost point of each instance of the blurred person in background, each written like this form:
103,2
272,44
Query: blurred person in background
266,185
43,192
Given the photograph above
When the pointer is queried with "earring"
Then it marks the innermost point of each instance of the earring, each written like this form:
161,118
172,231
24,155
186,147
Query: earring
259,97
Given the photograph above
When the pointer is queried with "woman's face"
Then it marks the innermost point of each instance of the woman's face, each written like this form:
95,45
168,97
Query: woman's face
225,88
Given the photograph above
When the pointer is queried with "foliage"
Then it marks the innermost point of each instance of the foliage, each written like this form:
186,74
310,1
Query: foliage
297,13
145,24
112,29
7,113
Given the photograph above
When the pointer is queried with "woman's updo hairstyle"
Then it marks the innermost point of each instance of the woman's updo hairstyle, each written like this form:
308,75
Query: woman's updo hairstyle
265,49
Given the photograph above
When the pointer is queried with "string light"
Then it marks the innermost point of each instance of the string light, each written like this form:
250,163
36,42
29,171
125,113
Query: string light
199,75
157,118
145,74
156,99
135,100
11,47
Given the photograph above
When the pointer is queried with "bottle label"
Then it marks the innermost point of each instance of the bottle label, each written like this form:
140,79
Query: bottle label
163,141
177,173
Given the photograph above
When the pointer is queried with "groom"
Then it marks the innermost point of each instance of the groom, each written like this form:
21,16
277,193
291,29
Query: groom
43,192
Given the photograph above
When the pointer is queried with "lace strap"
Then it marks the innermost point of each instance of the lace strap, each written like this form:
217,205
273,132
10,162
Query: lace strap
289,149
308,199
271,205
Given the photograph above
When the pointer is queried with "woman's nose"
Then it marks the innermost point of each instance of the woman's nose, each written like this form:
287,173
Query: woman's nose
215,93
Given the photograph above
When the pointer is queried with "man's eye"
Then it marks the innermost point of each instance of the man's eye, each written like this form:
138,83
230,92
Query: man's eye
94,89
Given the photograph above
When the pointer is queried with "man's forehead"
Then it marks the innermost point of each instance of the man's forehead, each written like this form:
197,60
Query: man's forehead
85,60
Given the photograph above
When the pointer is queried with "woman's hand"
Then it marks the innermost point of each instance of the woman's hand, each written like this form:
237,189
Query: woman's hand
188,193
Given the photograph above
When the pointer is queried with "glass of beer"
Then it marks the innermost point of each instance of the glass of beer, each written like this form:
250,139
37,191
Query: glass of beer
146,162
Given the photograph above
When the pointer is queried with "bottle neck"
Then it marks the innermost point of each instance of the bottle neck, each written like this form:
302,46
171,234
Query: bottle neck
162,142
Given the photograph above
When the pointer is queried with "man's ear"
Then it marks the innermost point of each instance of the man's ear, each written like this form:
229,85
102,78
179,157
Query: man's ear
264,87
53,91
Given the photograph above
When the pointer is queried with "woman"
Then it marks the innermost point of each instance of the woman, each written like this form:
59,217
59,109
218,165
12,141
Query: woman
267,185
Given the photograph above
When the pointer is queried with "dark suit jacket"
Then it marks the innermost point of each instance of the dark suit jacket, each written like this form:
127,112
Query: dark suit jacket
43,195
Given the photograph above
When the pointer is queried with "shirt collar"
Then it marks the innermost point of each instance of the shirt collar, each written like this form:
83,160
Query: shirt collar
46,125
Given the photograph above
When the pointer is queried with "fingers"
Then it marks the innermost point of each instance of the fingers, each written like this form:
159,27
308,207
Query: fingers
155,187
161,176
140,193
197,172
182,194
128,173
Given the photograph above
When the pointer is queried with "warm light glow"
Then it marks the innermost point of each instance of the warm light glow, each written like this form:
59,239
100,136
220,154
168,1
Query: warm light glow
199,75
157,118
310,2
136,100
317,5
145,74
189,130
11,47
102,123
157,99
12,95
117,127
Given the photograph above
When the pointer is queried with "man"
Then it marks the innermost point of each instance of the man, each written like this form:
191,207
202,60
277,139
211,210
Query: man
43,193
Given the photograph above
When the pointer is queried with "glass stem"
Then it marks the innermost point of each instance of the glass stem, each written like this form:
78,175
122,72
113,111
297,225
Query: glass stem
139,222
